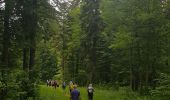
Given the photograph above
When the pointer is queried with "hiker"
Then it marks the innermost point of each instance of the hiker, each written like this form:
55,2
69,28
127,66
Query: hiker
64,87
90,91
48,83
55,84
75,94
71,86
52,82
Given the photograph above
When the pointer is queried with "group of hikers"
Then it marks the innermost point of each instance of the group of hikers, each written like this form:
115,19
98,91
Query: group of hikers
53,83
74,92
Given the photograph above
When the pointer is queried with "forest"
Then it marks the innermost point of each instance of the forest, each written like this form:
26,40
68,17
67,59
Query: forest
117,45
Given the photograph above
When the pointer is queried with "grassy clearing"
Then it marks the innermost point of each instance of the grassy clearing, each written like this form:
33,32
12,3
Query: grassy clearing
49,93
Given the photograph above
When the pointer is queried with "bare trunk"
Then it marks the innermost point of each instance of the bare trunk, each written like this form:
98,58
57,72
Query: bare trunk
25,59
63,67
32,58
33,36
6,38
146,77
131,65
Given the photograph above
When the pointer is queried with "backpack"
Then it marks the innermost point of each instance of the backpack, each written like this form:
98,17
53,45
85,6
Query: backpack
90,89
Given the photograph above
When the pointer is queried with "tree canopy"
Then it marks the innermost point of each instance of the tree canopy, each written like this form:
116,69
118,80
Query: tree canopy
110,42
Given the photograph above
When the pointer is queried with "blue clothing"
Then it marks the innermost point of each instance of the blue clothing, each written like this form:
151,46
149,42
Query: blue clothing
75,94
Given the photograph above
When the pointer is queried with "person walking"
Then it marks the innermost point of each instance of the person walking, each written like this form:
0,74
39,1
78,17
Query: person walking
55,84
48,83
64,87
90,91
71,86
75,94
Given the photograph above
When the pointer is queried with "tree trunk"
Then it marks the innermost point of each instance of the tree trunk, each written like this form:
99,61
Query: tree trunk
33,35
6,36
25,59
32,58
131,65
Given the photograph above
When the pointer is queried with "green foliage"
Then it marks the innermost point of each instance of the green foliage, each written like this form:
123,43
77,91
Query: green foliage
18,31
17,85
111,43
47,63
122,40
162,91
135,39
99,94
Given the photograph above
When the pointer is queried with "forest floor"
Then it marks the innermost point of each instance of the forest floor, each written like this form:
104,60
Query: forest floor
49,93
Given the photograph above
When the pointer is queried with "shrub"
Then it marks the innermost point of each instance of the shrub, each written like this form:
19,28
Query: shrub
162,91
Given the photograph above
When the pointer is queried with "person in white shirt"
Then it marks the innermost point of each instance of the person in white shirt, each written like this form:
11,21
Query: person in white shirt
90,91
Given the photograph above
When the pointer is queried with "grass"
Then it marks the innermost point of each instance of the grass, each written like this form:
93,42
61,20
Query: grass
49,93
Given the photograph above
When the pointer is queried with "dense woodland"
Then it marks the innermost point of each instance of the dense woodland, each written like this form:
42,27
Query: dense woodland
113,43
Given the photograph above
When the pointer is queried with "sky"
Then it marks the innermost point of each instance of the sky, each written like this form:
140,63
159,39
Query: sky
2,5
52,3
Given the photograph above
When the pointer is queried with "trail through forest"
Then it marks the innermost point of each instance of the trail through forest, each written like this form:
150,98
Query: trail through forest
111,44
49,93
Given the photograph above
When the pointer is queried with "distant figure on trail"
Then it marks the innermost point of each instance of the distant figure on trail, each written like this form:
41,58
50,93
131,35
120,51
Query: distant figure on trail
55,84
71,86
51,83
75,94
48,83
64,87
90,91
